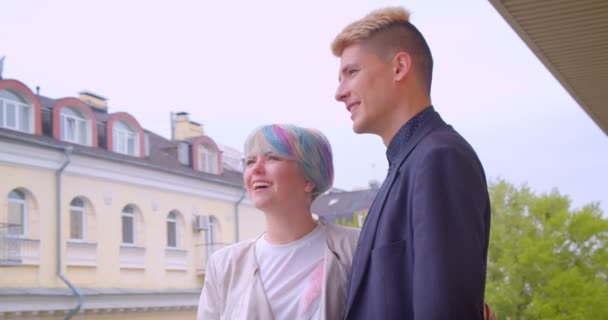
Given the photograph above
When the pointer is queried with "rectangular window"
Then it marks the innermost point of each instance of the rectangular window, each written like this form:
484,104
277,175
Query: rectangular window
16,213
24,118
82,132
70,129
202,160
125,142
2,114
207,161
171,234
76,224
130,144
127,229
74,130
120,143
11,116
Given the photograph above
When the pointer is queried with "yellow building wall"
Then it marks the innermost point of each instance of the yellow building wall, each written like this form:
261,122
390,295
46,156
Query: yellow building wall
39,186
108,199
105,200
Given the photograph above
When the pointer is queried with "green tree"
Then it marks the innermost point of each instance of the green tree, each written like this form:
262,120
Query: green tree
546,260
355,220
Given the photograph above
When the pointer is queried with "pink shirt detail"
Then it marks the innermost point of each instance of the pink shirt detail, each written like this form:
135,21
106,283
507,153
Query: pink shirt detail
313,290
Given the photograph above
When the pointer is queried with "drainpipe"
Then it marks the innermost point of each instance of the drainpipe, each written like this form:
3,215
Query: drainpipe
236,213
72,312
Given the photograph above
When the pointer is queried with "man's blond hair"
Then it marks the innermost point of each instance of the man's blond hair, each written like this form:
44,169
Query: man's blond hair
366,27
386,32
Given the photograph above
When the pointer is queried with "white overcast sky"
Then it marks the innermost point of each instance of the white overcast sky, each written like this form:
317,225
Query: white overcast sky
234,65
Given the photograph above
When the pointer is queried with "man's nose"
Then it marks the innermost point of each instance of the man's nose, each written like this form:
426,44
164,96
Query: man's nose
341,93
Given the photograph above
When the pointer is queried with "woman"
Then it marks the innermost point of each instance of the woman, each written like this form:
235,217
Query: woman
298,268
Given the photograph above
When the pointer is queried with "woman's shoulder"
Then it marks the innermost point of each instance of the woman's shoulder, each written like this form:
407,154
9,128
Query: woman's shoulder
341,230
341,234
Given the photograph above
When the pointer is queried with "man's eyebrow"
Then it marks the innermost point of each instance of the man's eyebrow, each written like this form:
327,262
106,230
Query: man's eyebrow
346,67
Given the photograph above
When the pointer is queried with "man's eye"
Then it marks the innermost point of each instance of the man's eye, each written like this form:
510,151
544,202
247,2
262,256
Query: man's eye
274,157
249,162
352,72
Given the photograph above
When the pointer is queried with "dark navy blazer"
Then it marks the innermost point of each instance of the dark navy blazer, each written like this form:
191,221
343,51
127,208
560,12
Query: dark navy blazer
423,248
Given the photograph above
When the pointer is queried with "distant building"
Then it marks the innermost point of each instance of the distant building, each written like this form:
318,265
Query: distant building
92,200
345,207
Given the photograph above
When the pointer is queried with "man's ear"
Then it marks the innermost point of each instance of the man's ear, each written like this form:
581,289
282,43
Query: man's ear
402,64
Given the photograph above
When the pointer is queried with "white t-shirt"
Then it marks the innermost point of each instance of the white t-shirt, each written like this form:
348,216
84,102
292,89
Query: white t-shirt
292,275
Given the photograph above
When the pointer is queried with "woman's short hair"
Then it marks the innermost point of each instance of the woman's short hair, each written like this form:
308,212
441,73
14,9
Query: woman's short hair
308,147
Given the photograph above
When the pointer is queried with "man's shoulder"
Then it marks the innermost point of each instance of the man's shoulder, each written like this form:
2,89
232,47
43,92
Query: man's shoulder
444,139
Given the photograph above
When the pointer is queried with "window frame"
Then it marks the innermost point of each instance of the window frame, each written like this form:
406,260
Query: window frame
122,134
24,213
18,120
78,122
126,214
207,159
173,218
83,219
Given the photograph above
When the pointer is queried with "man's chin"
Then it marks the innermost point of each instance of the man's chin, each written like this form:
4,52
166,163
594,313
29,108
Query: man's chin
359,128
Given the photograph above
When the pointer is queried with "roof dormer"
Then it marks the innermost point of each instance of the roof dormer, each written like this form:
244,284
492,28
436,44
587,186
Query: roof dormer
125,135
19,108
206,156
74,121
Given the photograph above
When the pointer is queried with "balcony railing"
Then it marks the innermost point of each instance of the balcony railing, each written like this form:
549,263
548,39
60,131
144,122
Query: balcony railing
203,252
16,250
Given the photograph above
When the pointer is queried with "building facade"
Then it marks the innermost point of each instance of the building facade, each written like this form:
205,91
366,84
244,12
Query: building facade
102,219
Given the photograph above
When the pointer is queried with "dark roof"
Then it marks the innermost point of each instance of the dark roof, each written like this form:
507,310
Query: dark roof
335,205
163,152
160,158
46,102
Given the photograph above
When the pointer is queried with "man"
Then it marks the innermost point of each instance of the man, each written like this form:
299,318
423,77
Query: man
422,250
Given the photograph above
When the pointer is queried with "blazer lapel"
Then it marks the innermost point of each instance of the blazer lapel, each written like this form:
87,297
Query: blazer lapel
368,232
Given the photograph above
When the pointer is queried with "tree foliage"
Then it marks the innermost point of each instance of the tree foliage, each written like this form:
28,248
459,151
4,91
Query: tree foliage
546,260
354,222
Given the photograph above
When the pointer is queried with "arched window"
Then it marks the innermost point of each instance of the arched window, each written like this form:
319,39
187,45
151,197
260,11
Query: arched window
128,225
125,139
172,229
15,112
207,159
78,222
17,213
74,127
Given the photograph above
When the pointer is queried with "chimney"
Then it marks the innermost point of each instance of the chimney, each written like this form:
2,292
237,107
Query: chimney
94,100
183,128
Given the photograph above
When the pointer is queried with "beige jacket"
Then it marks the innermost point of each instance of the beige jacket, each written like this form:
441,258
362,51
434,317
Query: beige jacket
233,289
